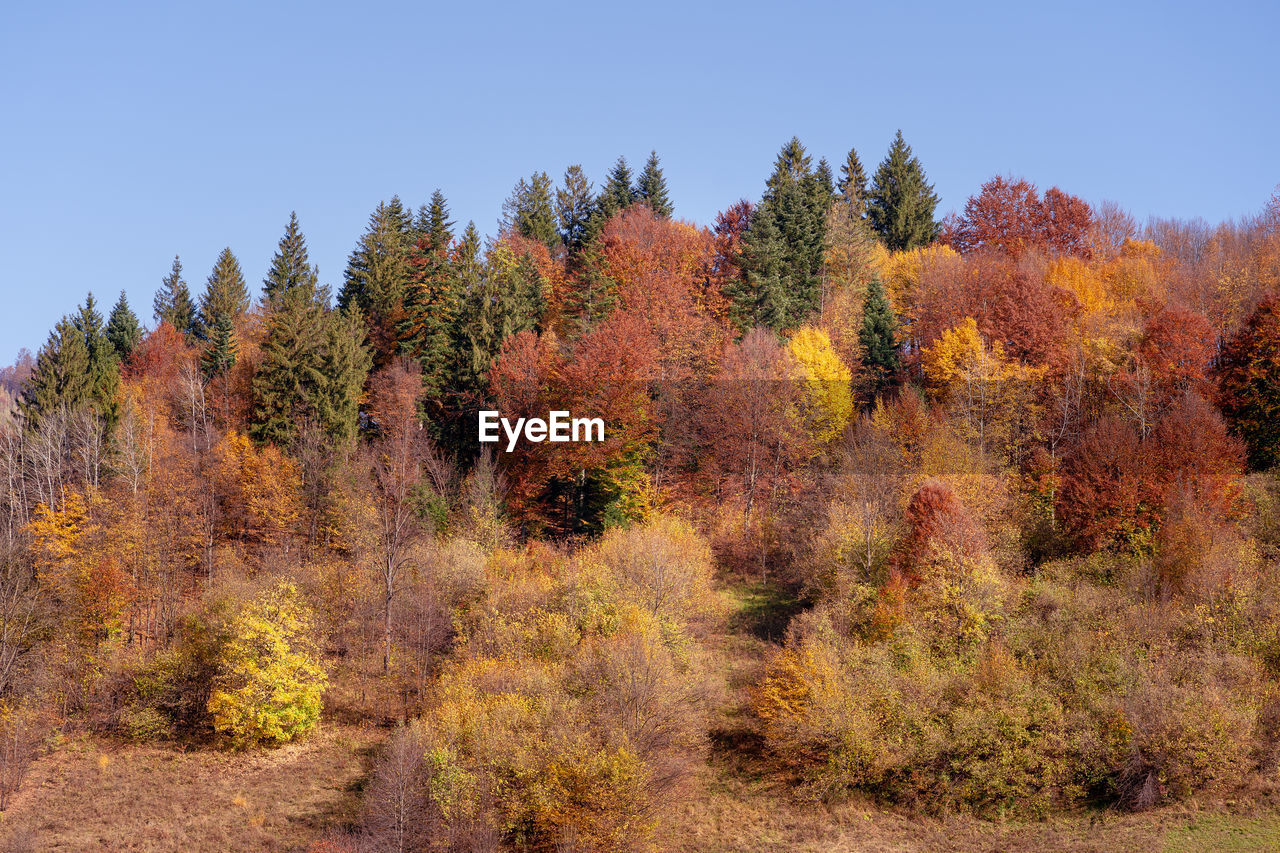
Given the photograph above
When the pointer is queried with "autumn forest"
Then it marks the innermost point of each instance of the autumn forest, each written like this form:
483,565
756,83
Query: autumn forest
971,520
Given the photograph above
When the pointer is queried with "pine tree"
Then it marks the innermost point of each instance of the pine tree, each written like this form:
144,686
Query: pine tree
62,377
173,303
104,367
901,202
221,349
310,361
574,203
506,298
618,193
377,277
123,330
785,246
651,188
434,223
432,299
225,291
853,183
878,336
291,270
530,212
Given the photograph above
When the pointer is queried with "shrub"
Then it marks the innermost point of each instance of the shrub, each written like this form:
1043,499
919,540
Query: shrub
269,685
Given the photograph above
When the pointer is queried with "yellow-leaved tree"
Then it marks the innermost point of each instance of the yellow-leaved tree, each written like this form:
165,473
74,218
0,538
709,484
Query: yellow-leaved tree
828,398
270,685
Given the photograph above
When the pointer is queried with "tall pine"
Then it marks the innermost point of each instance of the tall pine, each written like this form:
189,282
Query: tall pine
530,211
880,355
123,330
225,291
853,183
173,304
377,276
651,188
901,202
291,270
574,203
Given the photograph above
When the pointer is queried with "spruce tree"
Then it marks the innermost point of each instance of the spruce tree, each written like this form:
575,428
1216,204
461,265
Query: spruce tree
853,183
785,246
104,366
291,270
221,349
225,291
878,337
173,303
434,223
431,299
377,277
574,203
123,330
618,193
901,202
651,188
62,378
530,211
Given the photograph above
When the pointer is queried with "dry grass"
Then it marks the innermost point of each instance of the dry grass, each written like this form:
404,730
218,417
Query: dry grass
95,795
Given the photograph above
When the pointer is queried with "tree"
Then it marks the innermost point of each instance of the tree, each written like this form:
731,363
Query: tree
62,378
784,248
270,686
312,368
225,293
377,276
173,303
1249,382
901,202
529,211
574,205
1010,216
827,404
220,350
104,367
291,270
881,358
853,183
618,194
651,188
123,330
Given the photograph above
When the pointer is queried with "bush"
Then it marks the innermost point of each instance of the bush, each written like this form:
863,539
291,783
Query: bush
269,685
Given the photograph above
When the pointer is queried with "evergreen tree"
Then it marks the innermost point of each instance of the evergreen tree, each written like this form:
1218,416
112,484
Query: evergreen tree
435,225
901,202
104,366
574,203
785,246
506,298
377,277
651,188
529,211
221,349
310,362
878,336
62,377
225,291
291,270
824,182
617,193
123,330
853,183
173,303
432,299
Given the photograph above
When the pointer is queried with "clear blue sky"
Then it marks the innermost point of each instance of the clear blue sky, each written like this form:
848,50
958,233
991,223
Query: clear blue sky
130,132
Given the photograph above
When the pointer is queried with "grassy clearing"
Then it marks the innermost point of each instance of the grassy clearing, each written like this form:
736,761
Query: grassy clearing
94,795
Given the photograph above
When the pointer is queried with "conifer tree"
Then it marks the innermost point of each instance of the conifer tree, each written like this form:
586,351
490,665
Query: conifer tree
618,193
104,367
853,183
574,203
530,211
62,377
784,247
173,303
901,202
225,291
432,299
651,188
221,349
377,277
123,330
291,270
434,223
311,360
878,336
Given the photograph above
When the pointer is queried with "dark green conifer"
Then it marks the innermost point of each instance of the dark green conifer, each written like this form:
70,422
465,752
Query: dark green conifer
881,358
574,204
901,202
173,303
225,291
651,188
530,211
853,183
123,330
291,270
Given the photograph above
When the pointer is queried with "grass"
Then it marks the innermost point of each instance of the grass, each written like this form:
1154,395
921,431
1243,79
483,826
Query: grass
96,795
